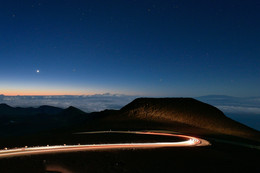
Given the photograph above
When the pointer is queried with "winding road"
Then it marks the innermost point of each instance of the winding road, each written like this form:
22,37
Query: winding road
188,142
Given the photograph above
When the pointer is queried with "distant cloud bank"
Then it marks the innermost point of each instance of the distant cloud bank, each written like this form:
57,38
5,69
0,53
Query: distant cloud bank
239,105
87,103
98,102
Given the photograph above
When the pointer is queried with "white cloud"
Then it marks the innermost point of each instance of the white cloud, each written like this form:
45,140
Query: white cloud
237,105
239,109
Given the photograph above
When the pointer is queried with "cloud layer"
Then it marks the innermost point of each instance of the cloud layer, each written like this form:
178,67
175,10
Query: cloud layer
87,103
98,102
249,105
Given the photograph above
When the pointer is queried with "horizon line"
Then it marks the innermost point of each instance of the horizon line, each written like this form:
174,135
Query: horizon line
68,94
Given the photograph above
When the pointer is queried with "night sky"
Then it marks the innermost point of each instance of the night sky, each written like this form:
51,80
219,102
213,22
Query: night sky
148,48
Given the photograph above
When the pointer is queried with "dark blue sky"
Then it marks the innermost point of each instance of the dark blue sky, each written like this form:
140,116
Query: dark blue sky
150,48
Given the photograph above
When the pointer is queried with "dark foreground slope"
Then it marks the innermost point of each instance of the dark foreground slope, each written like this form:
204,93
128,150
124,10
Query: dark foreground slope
212,159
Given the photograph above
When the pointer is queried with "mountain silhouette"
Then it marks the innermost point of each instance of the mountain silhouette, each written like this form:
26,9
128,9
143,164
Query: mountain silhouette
72,110
20,121
8,110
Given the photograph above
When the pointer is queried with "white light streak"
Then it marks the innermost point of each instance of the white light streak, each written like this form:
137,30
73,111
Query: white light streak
190,141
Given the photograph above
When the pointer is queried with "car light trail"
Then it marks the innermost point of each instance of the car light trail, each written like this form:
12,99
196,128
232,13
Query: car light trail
190,141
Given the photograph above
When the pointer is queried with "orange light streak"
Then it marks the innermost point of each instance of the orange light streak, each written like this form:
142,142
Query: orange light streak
190,141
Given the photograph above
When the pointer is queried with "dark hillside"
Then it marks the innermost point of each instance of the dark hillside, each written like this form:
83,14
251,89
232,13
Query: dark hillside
16,121
72,110
188,111
18,111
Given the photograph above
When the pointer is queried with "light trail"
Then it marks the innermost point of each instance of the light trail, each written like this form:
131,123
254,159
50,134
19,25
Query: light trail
189,142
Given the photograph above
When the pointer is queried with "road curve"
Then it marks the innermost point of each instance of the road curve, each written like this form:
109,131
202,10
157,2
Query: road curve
188,142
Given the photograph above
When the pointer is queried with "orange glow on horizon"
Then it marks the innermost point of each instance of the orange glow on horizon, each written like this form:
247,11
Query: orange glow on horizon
44,93
56,92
